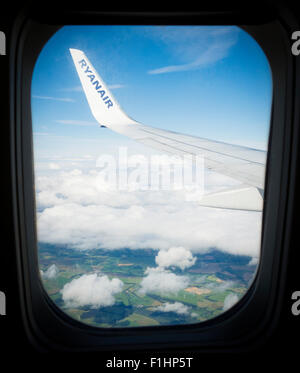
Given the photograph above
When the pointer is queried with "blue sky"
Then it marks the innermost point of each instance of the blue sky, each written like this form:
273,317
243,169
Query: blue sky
212,82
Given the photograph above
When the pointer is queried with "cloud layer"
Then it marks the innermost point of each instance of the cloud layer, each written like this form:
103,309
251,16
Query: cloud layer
77,209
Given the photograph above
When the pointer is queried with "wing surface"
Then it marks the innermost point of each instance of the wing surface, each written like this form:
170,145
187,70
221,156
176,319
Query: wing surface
239,162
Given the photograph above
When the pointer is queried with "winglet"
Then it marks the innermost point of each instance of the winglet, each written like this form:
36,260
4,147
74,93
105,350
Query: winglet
242,197
103,105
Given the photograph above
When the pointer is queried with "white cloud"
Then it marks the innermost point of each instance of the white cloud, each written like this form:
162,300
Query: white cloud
253,261
175,257
51,272
176,307
77,209
159,280
230,300
91,290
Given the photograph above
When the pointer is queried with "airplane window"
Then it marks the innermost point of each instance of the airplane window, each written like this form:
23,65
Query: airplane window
150,148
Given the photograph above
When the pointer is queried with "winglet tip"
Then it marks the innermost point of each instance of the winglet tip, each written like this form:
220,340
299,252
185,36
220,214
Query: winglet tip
74,50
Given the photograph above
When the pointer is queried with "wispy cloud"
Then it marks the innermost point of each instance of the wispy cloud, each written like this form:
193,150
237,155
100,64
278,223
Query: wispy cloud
230,300
77,88
214,53
205,49
116,86
65,99
74,122
41,134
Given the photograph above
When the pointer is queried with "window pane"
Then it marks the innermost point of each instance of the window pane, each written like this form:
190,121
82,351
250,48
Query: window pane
159,225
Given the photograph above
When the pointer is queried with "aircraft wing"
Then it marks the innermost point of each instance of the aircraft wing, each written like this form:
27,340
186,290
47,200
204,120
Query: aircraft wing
239,162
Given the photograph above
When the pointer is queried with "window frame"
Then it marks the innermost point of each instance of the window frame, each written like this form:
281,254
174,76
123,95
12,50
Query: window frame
255,316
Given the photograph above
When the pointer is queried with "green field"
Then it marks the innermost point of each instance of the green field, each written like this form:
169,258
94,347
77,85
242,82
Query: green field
212,278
